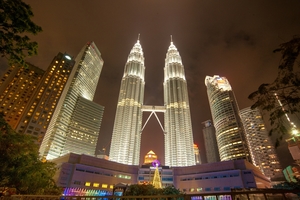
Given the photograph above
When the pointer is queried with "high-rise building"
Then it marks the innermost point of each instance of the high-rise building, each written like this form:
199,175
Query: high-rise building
37,116
230,132
69,126
84,126
17,87
210,142
197,155
261,148
178,127
126,137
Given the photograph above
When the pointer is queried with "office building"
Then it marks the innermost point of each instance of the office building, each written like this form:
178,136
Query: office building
197,155
83,175
84,126
210,142
230,132
68,127
37,116
261,148
178,137
126,137
17,87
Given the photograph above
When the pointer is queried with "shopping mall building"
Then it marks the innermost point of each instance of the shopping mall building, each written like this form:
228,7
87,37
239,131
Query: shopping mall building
83,175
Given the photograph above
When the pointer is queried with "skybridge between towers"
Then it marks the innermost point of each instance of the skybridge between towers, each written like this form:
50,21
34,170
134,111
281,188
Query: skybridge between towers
129,119
153,110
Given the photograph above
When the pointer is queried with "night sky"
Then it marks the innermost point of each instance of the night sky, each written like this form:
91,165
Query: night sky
231,38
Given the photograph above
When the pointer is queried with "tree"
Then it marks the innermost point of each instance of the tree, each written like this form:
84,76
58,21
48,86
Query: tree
15,22
150,190
282,96
289,186
20,166
139,190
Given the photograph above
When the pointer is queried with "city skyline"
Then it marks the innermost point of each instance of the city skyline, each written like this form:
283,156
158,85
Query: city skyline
233,39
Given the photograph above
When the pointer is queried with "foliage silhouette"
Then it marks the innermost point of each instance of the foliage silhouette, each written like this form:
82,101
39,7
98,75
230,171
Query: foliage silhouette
15,23
285,88
20,166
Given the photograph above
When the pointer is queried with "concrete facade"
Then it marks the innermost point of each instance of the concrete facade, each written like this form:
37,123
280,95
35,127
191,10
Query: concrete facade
87,173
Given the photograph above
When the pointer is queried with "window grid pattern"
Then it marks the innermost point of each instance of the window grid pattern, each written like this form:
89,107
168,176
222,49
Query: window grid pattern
261,148
17,86
230,134
126,137
82,84
178,137
37,117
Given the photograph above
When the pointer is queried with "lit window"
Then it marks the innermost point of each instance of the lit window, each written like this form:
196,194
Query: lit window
104,185
95,184
111,186
87,184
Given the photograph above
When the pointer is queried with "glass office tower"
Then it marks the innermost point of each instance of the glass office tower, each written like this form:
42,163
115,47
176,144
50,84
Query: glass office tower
64,127
230,132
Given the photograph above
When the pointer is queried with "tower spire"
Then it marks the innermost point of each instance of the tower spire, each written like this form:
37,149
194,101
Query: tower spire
138,37
128,118
178,126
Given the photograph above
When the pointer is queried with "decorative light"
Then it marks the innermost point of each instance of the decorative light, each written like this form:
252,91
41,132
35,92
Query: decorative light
295,131
68,57
155,163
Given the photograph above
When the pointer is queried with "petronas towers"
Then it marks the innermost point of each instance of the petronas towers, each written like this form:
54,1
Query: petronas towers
126,138
178,135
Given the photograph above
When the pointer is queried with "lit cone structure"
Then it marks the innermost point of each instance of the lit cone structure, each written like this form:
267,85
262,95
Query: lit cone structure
156,179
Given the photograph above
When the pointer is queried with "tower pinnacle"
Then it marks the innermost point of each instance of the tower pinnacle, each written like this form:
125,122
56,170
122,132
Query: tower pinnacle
126,137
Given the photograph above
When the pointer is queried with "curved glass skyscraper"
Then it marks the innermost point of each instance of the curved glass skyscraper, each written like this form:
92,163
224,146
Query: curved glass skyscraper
230,132
126,137
179,141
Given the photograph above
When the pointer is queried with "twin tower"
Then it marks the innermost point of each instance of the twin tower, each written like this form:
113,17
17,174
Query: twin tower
178,135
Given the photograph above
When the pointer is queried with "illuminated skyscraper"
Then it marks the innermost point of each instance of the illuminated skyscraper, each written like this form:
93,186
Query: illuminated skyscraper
17,87
197,155
37,116
76,121
178,127
126,137
261,148
230,132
